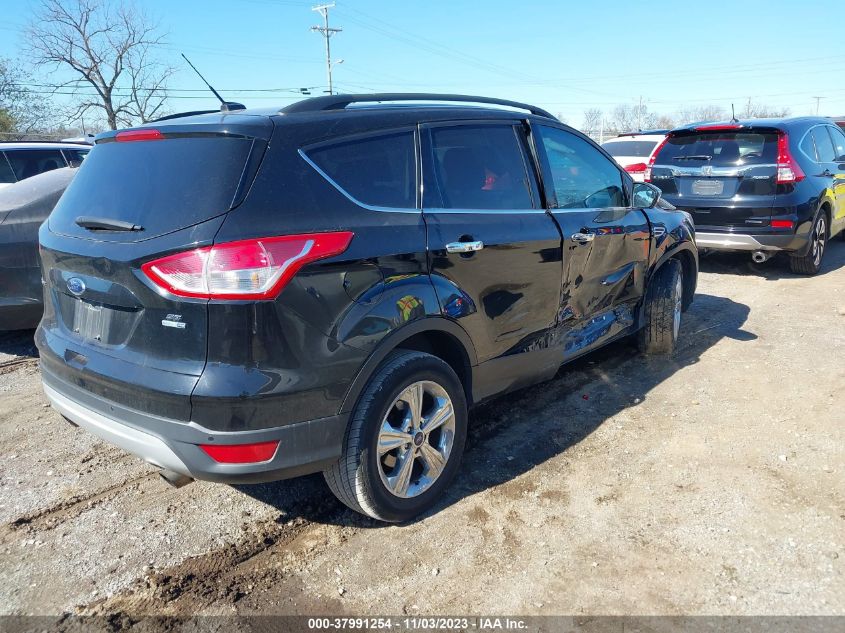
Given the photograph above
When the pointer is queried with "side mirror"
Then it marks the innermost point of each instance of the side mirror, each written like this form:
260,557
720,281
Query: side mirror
646,195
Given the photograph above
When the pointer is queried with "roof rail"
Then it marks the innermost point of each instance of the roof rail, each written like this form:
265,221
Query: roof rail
339,102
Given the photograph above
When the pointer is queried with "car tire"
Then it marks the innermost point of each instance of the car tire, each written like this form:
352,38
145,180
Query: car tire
662,310
390,469
811,263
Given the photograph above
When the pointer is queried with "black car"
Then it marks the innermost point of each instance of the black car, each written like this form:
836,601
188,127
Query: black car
23,207
249,296
762,185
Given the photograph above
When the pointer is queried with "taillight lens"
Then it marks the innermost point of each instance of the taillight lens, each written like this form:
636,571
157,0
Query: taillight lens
789,171
636,168
241,453
652,158
247,269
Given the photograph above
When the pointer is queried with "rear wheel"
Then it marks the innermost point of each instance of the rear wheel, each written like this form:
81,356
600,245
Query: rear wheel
405,439
663,308
811,263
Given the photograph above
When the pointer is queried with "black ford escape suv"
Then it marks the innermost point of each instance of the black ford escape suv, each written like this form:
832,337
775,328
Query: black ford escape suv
762,185
248,296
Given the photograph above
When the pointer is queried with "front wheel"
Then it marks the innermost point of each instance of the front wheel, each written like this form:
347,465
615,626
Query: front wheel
811,263
663,307
405,439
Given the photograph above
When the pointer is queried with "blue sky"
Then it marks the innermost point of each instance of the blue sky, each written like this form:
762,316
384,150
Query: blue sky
564,56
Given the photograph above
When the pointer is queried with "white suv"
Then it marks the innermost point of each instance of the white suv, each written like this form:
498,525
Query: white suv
633,150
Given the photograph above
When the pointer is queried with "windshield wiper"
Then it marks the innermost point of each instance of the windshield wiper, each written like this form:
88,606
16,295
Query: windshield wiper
106,224
694,157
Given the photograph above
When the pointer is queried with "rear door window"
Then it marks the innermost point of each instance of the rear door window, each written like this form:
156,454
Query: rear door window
478,167
824,146
378,171
6,174
27,163
720,149
582,177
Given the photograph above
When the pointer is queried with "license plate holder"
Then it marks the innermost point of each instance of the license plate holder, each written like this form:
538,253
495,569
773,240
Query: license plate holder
708,187
91,321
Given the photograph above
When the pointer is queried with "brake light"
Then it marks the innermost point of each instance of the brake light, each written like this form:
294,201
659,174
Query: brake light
139,135
248,269
652,158
241,453
789,171
718,126
636,168
781,224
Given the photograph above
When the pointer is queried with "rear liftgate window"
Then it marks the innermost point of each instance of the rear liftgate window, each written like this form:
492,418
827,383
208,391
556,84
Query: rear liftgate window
721,149
161,185
379,170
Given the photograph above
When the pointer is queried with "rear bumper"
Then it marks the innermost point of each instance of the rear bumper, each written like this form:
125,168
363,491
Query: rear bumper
304,447
748,242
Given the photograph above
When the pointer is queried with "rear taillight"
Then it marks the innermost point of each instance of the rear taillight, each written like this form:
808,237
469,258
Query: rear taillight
241,453
248,269
789,171
636,168
652,158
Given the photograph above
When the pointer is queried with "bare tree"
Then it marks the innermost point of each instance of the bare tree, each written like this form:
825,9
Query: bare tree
592,121
692,114
754,110
631,118
110,48
22,111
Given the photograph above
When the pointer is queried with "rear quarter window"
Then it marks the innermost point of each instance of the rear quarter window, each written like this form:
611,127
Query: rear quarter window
378,171
6,174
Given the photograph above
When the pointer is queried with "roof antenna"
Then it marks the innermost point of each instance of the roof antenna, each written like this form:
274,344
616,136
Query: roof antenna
733,114
225,106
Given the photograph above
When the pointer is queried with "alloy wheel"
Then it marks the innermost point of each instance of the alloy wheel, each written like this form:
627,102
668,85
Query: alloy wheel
819,235
415,439
679,295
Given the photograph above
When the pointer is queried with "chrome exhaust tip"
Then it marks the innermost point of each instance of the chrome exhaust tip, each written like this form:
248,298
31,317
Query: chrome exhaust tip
177,480
760,256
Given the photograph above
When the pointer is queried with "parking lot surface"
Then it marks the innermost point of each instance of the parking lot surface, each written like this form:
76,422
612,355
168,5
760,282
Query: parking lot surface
712,483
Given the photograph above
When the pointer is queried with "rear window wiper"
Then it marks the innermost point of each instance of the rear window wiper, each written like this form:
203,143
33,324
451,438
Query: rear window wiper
694,157
106,224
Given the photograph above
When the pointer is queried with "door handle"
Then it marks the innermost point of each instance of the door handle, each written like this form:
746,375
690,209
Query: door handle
583,238
464,247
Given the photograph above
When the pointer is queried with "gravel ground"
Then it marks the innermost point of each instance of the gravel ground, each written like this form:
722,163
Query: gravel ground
711,483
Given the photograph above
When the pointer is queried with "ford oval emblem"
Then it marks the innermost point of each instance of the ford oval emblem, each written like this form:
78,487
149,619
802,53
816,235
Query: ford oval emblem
76,285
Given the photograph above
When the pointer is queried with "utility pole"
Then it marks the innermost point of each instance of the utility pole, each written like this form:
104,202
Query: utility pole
818,99
323,9
640,115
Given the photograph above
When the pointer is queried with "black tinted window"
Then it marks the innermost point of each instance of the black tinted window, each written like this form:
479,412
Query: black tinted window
160,185
479,167
720,149
808,147
6,173
630,148
378,171
838,137
30,162
824,146
75,156
582,176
